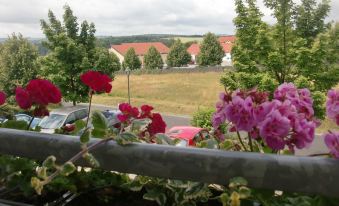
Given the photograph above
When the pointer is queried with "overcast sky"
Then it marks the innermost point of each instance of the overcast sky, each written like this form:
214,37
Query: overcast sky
130,17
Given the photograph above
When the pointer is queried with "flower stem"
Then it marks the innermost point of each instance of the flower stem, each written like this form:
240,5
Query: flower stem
30,122
78,156
89,106
250,142
241,142
318,154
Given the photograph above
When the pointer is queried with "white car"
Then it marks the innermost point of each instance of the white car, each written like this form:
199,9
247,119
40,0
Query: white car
60,117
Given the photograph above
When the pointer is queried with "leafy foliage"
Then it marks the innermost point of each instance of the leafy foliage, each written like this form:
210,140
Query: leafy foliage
17,63
211,52
178,55
131,60
203,118
152,59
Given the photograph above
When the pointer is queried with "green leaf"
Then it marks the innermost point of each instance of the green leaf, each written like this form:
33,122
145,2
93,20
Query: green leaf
237,181
226,145
126,138
79,125
42,172
197,190
67,169
49,162
37,184
224,198
85,136
244,192
140,125
209,143
100,124
91,159
156,195
164,139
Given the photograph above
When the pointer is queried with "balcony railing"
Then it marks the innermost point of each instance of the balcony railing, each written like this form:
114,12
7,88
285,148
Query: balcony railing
309,175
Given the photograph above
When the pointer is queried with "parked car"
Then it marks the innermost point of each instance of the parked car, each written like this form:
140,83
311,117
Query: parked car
188,136
27,118
61,117
111,116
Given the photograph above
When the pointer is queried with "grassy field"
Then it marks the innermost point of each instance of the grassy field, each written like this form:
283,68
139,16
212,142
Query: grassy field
174,93
187,39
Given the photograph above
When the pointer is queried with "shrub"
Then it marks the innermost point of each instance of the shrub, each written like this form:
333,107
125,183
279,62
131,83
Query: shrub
203,118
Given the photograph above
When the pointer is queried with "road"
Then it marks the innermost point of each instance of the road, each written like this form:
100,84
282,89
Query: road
171,120
317,146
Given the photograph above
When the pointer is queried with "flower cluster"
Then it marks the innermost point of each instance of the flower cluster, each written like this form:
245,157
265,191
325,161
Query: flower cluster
287,120
38,92
2,98
332,111
332,142
97,81
332,105
128,113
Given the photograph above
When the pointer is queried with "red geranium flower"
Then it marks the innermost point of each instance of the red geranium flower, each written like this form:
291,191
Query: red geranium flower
2,98
96,81
146,109
38,92
157,126
43,92
22,98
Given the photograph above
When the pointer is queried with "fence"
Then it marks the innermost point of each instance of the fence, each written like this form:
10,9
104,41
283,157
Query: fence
179,70
310,175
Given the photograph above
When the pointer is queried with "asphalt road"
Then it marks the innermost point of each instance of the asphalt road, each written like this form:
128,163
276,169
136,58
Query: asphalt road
317,146
171,120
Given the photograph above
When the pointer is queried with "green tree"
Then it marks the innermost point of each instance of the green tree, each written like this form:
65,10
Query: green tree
106,62
211,52
291,50
178,55
131,60
252,45
309,19
152,59
17,62
72,52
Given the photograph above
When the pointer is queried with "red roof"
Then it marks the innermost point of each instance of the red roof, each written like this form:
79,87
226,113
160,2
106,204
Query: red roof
194,48
227,39
141,48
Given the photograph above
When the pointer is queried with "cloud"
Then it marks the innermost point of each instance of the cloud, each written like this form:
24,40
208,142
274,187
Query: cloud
129,17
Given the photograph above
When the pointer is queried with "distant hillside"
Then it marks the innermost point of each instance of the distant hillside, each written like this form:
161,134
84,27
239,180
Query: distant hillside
167,39
107,41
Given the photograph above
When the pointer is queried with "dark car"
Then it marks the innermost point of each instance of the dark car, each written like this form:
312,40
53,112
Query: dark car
111,116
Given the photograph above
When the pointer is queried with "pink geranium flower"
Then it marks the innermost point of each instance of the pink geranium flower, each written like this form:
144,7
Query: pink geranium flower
332,142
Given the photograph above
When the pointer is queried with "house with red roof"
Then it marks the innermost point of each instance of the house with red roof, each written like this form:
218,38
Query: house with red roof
140,49
225,41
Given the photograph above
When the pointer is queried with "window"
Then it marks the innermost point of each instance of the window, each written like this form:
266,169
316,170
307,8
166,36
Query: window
71,118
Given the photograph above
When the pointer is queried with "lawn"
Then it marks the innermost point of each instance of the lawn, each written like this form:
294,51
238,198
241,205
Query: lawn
173,93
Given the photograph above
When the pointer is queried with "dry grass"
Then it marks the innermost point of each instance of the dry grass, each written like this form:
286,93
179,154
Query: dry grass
175,93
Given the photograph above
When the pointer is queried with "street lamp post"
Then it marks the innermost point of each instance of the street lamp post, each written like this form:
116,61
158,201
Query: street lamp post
128,72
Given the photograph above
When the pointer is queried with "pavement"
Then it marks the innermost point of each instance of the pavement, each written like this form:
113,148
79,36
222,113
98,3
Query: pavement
171,120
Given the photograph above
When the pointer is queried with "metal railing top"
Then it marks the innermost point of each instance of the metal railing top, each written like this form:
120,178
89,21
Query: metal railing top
311,175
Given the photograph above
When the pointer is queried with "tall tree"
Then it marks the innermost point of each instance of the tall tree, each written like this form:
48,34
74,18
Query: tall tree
72,52
251,46
309,19
178,55
131,60
17,62
106,62
152,59
211,52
